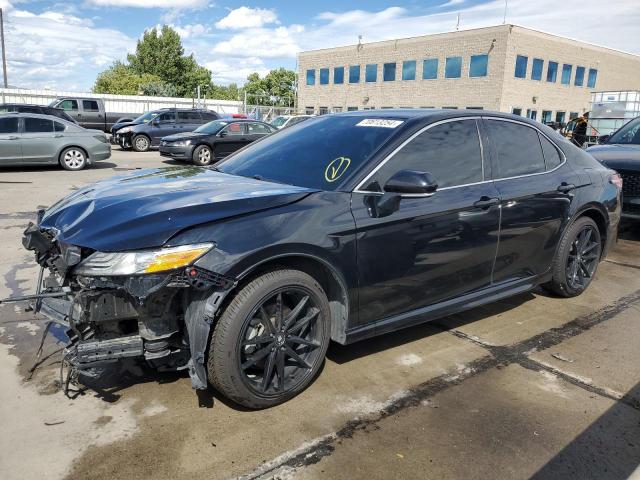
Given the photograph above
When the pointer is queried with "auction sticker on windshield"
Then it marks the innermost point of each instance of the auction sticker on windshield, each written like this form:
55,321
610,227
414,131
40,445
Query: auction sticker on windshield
336,169
379,122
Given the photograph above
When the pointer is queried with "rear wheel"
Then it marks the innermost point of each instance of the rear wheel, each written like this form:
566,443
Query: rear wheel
141,143
73,158
271,340
577,258
202,155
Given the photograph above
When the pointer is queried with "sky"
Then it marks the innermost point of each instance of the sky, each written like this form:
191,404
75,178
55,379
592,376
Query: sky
64,45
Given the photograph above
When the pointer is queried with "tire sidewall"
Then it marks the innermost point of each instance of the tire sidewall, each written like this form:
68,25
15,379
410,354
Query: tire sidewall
223,357
196,154
67,167
134,144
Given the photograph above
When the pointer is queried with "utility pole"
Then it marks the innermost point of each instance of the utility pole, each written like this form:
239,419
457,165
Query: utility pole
4,58
504,18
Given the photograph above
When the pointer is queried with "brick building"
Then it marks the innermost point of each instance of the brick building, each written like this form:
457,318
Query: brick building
506,68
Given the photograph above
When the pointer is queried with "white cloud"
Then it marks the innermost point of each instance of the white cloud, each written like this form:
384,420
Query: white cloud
245,17
279,42
175,4
236,70
188,31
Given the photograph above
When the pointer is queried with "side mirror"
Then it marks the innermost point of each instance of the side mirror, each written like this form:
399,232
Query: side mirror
411,182
155,122
604,138
223,134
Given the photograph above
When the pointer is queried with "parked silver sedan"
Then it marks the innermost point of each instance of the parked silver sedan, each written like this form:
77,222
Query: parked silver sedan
30,139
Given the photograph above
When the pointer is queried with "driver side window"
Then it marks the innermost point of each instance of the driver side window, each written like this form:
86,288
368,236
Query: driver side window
450,152
167,117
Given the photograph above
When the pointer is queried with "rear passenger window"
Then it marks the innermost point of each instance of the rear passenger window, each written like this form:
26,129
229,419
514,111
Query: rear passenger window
8,125
257,129
517,149
189,117
450,152
552,157
37,125
90,106
208,116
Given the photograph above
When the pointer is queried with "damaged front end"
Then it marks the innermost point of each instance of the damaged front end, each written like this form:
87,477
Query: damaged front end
127,305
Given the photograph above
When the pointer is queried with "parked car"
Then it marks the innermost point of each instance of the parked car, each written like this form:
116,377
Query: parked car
284,121
342,228
621,152
213,141
147,130
32,108
89,112
30,139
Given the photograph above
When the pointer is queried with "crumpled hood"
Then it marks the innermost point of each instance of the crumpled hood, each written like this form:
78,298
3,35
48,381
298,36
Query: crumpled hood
146,208
617,156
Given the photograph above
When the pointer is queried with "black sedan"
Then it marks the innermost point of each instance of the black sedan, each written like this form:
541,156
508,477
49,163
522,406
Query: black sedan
621,152
213,141
341,228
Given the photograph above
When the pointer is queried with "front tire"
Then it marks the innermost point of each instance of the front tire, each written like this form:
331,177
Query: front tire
271,340
141,143
73,159
202,155
577,258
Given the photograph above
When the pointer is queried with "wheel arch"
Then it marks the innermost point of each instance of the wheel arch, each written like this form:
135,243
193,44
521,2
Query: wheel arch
329,278
599,216
72,145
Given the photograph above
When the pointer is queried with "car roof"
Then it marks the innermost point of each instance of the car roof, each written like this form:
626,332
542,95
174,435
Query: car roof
37,115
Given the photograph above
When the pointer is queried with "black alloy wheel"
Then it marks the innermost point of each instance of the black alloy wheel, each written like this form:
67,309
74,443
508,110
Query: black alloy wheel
271,339
583,257
280,341
577,258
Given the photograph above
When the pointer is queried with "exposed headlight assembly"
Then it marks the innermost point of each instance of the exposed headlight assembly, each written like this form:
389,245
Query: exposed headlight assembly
181,143
124,130
141,262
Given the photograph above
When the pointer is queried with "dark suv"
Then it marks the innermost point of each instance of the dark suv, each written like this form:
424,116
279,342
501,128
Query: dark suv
147,130
39,109
341,228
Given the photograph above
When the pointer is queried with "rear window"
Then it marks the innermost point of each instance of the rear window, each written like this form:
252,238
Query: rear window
319,153
518,149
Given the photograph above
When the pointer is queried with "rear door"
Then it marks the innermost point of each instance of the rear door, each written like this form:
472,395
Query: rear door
231,138
256,131
10,145
187,121
91,116
40,143
536,187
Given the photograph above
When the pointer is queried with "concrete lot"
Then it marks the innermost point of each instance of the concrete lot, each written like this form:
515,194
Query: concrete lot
534,386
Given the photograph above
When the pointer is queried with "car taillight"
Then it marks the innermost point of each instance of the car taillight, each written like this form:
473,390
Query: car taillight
616,179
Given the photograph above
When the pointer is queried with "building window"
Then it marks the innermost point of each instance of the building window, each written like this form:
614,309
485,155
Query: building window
516,111
324,76
389,72
560,117
521,66
453,67
354,74
475,108
309,110
337,109
478,65
430,69
546,116
573,115
593,76
536,69
311,77
338,75
532,114
552,72
566,74
371,72
409,70
579,80
352,109
323,110
449,108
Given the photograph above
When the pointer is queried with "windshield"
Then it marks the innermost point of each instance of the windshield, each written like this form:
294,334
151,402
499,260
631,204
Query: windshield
211,127
147,117
314,154
629,133
278,121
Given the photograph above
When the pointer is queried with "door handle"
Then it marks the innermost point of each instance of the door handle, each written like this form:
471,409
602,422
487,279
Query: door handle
12,138
566,187
59,135
486,202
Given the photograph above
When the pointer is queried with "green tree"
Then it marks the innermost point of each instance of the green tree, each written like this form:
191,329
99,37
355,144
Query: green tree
158,88
276,88
120,79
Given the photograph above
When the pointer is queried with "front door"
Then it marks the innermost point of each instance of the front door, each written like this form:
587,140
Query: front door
536,189
163,126
10,145
436,247
231,138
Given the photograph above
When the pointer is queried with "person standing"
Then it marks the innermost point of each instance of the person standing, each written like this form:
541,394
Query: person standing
580,131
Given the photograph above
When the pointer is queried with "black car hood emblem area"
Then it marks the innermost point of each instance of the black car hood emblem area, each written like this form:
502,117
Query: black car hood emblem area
148,207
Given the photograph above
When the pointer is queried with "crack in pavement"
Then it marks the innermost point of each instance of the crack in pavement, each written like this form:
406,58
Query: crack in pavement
498,356
623,264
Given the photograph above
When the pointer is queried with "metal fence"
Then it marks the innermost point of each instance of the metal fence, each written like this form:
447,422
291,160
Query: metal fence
120,103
